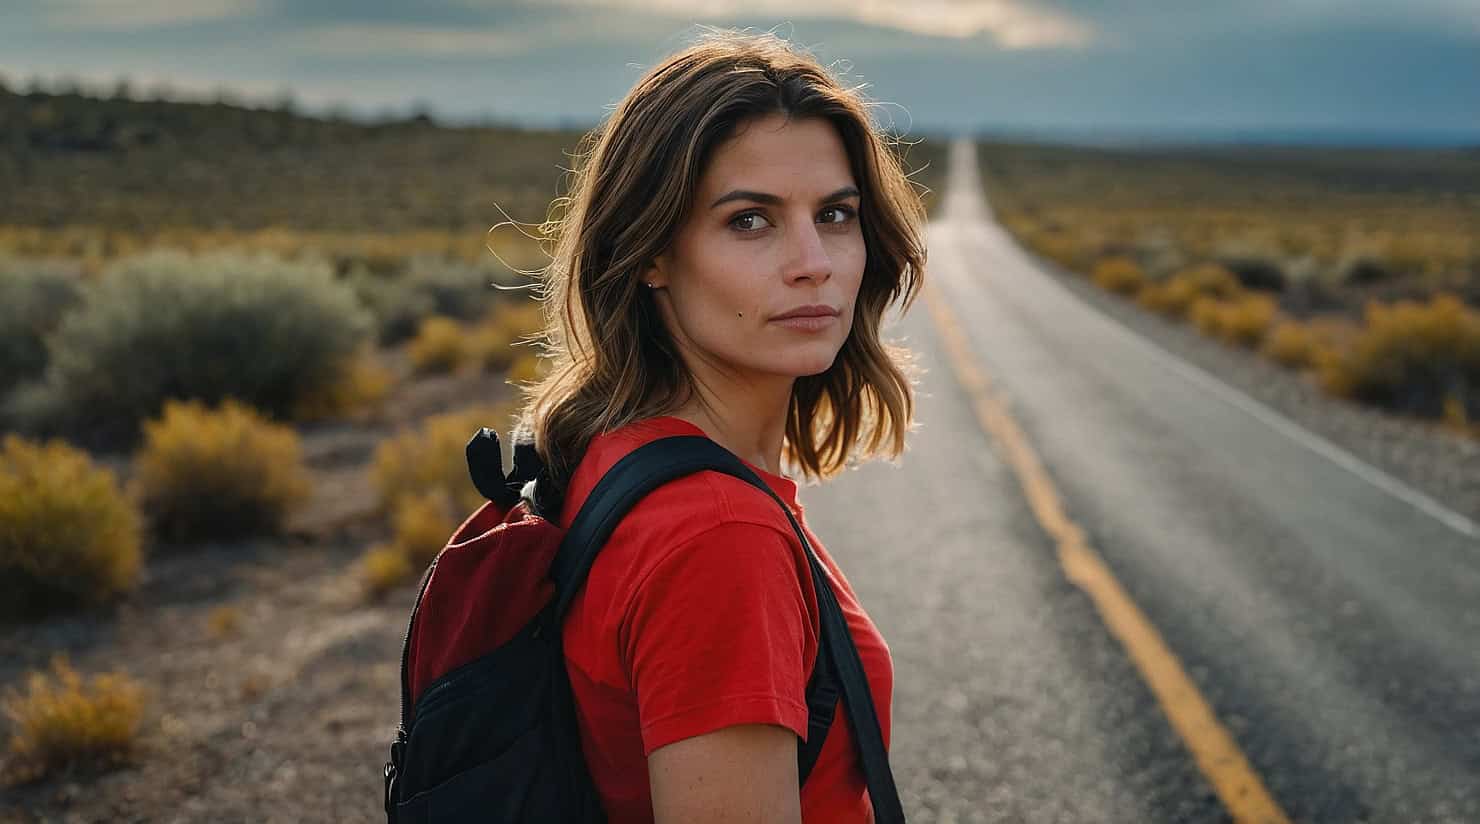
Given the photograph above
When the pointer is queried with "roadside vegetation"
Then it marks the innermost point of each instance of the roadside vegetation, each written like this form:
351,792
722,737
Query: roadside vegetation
1361,268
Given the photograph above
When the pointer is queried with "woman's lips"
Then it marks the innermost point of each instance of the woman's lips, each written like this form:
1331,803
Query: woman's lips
807,323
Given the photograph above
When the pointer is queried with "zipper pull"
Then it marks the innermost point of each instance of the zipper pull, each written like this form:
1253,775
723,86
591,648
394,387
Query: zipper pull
391,772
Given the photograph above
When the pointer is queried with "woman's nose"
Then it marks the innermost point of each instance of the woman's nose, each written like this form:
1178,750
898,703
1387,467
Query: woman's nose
809,258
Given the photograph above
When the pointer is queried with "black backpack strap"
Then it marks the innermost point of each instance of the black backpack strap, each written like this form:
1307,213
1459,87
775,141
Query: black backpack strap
665,459
822,704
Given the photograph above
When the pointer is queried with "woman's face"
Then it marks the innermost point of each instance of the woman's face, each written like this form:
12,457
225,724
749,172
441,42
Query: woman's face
773,227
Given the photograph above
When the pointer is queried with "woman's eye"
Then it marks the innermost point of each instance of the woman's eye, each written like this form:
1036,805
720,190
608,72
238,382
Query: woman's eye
747,216
846,212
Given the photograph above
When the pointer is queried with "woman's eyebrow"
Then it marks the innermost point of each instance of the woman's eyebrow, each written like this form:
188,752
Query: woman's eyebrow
770,199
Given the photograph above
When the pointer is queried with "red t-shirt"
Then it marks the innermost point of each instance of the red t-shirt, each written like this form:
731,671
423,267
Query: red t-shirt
699,614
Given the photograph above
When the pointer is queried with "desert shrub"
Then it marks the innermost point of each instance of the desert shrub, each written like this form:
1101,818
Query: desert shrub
59,722
527,368
69,536
1333,337
1412,358
1291,344
381,569
395,302
1244,320
166,325
1212,279
1119,274
434,458
1365,271
457,290
440,346
359,393
218,473
1248,319
1256,273
33,296
506,332
492,348
1058,246
521,316
431,286
1203,313
1172,297
1175,295
422,524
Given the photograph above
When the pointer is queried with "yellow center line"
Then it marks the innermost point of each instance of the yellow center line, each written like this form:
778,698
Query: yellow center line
1220,759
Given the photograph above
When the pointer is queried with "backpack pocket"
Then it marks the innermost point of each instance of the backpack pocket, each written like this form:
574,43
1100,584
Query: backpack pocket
494,741
505,790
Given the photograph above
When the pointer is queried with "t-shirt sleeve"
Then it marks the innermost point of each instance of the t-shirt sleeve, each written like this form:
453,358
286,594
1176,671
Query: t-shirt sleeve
717,634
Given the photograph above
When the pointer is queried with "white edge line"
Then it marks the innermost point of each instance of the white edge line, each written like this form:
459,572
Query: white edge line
1316,443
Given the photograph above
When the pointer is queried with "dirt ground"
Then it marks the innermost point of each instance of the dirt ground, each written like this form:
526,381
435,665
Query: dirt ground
284,717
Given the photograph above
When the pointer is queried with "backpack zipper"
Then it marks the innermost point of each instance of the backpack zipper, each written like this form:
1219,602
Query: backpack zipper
426,579
398,747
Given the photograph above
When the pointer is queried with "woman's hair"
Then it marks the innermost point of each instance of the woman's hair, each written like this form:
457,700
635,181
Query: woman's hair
613,361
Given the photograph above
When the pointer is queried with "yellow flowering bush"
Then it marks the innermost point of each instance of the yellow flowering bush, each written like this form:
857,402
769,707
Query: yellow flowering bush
69,535
218,473
59,722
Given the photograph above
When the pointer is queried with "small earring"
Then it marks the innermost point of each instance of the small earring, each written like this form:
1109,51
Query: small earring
650,285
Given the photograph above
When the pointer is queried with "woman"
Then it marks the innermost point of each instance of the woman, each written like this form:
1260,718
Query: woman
733,237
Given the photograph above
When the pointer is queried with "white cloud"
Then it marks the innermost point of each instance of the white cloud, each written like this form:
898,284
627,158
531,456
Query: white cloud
145,14
1014,24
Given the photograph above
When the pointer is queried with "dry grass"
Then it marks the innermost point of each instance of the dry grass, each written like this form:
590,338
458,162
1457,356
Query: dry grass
1243,320
1290,343
422,524
507,332
433,458
1119,274
381,569
58,722
528,368
359,395
1413,215
1176,295
1417,358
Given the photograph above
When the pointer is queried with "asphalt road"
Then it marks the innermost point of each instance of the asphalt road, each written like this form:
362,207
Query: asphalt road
1327,617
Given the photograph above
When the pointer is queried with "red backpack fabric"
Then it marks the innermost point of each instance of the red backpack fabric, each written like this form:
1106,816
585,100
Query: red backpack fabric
487,730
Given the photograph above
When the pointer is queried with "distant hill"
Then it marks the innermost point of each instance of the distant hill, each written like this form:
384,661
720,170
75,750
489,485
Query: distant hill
69,159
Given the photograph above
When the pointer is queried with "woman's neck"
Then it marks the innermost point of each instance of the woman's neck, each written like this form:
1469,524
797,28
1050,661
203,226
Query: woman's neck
752,425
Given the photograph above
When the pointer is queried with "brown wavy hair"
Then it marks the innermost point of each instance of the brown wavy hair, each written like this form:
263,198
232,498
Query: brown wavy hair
612,360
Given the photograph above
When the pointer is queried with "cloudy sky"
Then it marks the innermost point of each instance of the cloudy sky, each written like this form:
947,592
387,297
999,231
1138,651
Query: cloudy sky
1409,69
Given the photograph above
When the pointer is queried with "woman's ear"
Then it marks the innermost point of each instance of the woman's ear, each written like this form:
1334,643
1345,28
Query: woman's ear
655,276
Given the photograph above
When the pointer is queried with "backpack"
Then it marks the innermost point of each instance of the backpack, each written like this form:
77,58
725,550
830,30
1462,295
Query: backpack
488,730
